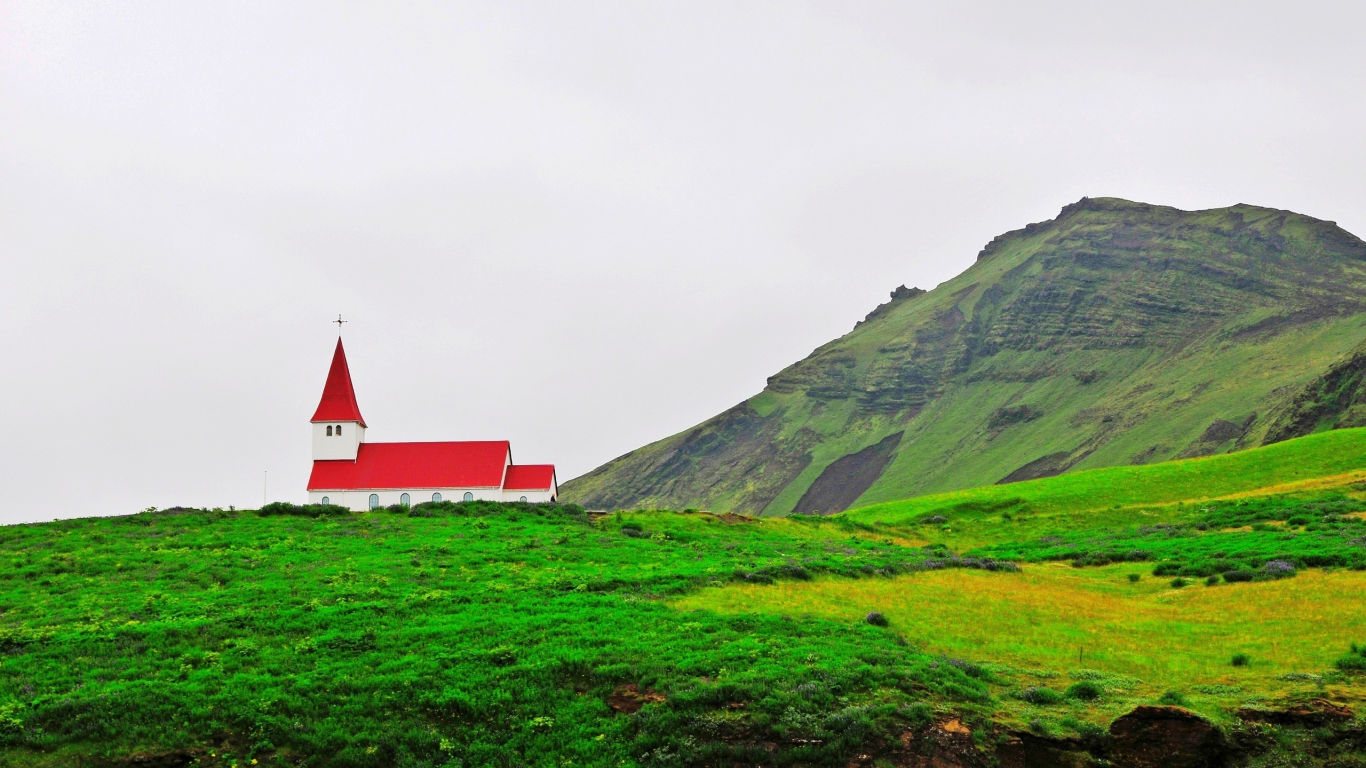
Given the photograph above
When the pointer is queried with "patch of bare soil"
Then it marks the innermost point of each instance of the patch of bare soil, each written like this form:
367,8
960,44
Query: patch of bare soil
1312,713
628,699
1214,437
171,759
1045,466
847,478
730,518
944,743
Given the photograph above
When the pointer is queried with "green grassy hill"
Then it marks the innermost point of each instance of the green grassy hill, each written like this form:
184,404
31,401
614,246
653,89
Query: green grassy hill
969,629
1116,334
1324,460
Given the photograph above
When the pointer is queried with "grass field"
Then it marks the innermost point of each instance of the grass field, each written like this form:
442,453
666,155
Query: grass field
452,634
1144,637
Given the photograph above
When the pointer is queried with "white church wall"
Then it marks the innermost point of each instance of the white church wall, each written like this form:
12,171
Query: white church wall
332,447
359,501
533,497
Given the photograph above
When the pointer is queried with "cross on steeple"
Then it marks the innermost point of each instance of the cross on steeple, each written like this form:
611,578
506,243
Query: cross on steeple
339,322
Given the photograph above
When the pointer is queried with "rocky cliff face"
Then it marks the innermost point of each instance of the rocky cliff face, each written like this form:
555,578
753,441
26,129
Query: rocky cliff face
1118,332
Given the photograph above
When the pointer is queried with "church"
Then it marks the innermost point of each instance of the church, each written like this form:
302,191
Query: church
349,472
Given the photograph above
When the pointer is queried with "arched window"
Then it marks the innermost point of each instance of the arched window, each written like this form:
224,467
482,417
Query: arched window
329,430
405,499
374,501
338,430
469,496
523,499
326,500
436,497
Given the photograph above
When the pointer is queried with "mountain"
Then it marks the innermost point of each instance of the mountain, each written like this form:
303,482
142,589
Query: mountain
1117,333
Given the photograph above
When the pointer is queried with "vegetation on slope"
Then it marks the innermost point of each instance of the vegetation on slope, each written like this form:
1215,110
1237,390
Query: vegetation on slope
1224,607
1321,460
472,634
451,634
1052,626
1118,333
1236,541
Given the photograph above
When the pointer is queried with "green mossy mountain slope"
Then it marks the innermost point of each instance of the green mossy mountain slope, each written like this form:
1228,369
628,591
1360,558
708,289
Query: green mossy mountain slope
1117,333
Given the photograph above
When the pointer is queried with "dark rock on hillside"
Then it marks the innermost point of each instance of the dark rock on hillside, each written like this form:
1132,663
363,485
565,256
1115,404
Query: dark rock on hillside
846,479
1012,415
1217,434
1166,737
902,293
1045,466
1312,714
1336,399
1116,332
1029,750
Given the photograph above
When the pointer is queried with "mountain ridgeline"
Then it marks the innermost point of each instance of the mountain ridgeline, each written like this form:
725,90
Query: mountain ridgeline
1117,333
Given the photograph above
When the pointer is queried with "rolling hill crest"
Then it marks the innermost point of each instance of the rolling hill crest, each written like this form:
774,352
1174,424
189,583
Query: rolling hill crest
1116,333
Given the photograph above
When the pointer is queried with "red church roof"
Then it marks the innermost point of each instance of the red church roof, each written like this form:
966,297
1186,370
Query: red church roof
415,465
339,399
530,477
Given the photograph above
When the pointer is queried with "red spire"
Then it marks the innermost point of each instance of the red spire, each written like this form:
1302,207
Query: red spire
339,399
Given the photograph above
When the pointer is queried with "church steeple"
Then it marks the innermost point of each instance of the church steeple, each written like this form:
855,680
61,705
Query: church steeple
339,397
338,427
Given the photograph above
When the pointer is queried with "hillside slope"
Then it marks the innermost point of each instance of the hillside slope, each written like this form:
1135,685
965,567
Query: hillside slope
1117,333
1325,462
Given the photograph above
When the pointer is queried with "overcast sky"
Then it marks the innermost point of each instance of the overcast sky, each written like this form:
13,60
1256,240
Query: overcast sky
578,226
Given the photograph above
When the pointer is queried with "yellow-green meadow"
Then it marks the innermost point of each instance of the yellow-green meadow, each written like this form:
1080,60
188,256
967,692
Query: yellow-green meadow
1054,618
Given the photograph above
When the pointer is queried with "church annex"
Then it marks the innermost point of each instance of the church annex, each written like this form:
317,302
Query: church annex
349,472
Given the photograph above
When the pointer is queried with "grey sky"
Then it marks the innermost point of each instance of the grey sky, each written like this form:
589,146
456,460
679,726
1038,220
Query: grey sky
578,226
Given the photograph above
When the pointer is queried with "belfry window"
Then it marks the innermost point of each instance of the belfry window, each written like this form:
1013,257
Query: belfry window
338,430
329,430
469,496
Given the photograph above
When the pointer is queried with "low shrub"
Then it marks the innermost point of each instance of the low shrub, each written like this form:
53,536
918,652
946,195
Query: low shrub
1134,577
1278,569
1211,581
919,714
1037,694
876,619
276,508
1172,698
1351,663
1179,582
970,669
1084,729
1084,690
1240,660
1354,661
1236,576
